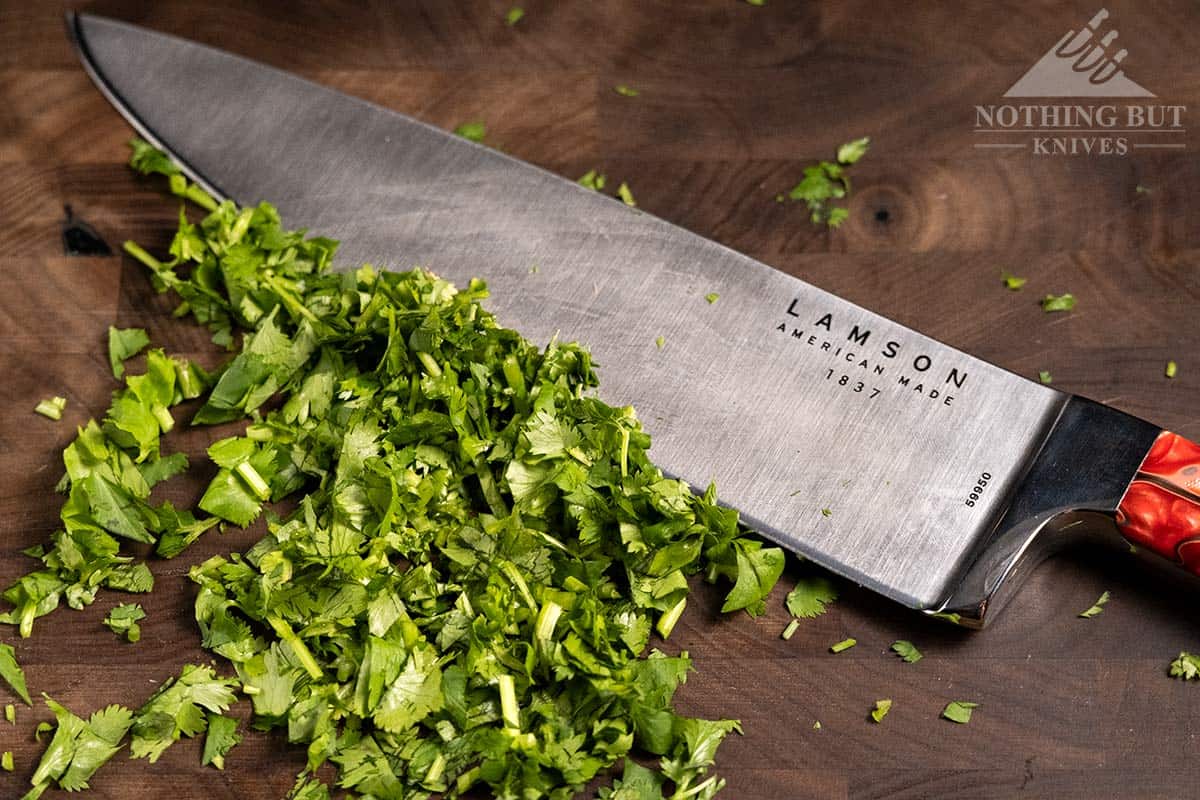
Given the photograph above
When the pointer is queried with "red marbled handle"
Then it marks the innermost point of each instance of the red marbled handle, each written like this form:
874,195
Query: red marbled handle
1161,507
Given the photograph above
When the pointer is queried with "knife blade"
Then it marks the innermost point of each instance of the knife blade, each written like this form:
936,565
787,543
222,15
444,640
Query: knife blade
923,473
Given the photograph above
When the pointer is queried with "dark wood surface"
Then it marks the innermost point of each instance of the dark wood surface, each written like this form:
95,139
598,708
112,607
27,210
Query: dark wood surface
734,101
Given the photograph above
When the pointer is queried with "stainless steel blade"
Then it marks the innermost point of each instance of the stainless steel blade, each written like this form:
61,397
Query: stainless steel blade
866,446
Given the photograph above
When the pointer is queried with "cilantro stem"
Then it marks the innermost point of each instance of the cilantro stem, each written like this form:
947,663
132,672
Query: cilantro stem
436,769
547,618
508,702
514,576
165,421
666,623
430,365
624,452
299,649
516,381
491,492
135,250
254,481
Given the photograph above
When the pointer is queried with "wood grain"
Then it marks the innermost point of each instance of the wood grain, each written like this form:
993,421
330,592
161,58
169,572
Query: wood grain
734,102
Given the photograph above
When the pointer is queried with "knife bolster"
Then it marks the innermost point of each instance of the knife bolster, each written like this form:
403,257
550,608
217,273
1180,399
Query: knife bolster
1071,490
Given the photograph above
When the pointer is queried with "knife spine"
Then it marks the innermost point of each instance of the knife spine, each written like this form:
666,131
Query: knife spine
79,42
1070,491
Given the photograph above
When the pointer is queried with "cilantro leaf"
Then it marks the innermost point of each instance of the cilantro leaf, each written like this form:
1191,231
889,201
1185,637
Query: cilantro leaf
177,709
1044,376
124,344
907,651
758,569
592,180
221,737
882,707
827,181
12,673
712,297
123,621
959,711
80,748
810,596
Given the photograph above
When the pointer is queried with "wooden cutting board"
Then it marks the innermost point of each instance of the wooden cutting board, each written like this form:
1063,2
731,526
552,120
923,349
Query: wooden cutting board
734,101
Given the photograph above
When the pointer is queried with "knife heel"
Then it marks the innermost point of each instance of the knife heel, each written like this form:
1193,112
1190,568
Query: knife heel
1076,487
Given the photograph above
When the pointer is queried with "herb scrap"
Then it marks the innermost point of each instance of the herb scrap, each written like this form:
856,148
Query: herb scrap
1096,607
123,621
592,180
1063,302
626,195
124,344
472,131
1044,376
1186,666
882,707
907,651
810,597
1012,282
1172,369
959,711
221,737
51,408
843,645
12,673
712,297
514,15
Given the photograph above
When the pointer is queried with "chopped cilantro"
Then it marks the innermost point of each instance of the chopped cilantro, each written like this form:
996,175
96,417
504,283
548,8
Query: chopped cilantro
827,181
221,737
124,344
827,513
592,180
1012,282
816,725
514,15
1096,607
659,342
1172,369
712,297
759,3
10,713
959,711
790,629
626,91
1186,666
1044,376
474,131
626,195
51,408
882,707
470,532
810,597
1140,189
906,650
1063,302
6,761
843,645
123,621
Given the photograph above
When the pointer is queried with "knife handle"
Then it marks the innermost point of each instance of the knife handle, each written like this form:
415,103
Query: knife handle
1160,509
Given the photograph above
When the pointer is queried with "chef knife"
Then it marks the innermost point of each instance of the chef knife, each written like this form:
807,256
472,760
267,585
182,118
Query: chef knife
901,463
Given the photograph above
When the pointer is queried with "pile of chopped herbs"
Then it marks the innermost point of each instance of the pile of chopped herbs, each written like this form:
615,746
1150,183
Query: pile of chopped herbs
478,555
